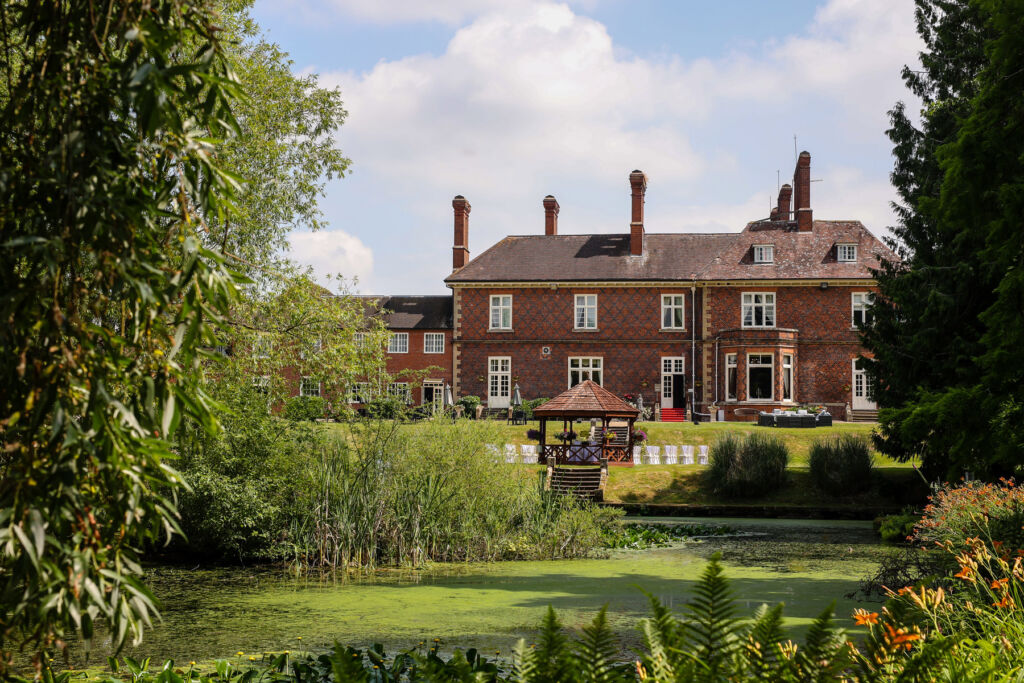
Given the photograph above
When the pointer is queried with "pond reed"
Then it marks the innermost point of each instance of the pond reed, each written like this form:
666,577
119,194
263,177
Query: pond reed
374,495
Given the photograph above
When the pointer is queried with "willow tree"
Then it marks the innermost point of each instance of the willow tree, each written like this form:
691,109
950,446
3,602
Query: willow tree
110,179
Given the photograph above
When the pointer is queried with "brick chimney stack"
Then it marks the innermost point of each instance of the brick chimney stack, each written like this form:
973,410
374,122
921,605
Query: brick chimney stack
460,250
550,215
802,193
783,211
638,183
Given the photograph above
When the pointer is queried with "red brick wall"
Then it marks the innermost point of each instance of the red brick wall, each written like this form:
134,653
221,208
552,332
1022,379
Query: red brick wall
416,359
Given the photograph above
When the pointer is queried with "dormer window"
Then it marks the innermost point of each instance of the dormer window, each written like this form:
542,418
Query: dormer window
846,253
764,253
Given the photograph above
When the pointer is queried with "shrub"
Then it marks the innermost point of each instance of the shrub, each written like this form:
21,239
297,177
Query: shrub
304,408
385,408
469,404
896,528
841,464
746,468
529,406
992,512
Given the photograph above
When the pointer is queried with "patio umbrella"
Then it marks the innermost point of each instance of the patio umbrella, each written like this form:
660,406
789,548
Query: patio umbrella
640,405
447,401
517,398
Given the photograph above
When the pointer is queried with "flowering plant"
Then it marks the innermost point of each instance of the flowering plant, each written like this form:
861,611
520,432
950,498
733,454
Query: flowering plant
533,434
639,435
629,398
567,436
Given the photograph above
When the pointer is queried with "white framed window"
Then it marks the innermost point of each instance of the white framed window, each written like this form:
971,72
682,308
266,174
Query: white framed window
433,342
309,386
759,309
501,311
764,253
730,377
673,312
586,312
760,377
312,349
360,392
787,377
861,304
400,390
261,384
399,343
261,347
846,253
360,340
582,368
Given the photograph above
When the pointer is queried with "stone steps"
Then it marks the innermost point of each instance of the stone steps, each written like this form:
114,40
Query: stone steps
582,482
863,416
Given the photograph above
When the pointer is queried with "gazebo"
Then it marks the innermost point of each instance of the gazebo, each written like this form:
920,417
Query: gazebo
587,400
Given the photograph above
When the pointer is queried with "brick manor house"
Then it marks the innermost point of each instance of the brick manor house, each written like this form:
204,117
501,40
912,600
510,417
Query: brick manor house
721,323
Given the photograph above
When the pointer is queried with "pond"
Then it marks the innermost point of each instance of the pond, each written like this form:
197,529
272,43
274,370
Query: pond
210,613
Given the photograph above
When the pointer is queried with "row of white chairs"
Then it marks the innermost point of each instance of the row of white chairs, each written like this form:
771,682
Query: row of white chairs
651,455
642,455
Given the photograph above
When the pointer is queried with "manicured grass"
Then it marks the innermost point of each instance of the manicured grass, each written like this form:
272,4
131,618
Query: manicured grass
680,484
678,433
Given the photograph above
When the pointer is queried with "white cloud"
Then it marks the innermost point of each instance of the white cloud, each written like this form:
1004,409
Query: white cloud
332,252
531,97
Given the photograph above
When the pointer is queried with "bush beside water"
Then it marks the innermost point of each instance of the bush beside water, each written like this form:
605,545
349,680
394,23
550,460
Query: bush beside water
842,464
747,467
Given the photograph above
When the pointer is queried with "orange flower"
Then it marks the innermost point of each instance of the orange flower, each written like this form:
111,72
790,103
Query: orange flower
999,584
1006,602
966,574
863,617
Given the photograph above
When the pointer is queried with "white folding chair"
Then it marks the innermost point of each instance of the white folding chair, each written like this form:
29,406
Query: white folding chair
529,452
510,452
688,455
671,455
702,458
493,450
654,455
636,455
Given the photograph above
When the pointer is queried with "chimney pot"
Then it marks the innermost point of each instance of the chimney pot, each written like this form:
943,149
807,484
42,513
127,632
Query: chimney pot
460,246
802,193
550,215
783,209
638,186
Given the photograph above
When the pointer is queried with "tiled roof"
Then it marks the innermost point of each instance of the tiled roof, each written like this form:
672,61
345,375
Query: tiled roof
587,399
412,312
679,256
552,258
798,255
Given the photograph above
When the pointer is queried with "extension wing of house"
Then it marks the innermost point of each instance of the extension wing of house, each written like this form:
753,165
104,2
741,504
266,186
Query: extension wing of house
726,323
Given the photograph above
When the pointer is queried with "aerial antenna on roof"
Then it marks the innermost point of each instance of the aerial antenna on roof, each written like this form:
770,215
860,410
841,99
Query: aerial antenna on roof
795,155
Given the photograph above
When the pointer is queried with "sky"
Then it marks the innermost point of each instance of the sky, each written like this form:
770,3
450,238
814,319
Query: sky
505,101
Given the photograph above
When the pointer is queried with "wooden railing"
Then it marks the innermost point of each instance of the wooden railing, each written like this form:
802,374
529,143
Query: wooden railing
583,454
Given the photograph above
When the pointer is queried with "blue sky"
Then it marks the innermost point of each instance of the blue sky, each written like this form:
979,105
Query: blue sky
506,101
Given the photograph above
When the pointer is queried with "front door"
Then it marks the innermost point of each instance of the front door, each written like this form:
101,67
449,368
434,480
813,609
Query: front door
433,394
679,391
863,390
673,382
499,381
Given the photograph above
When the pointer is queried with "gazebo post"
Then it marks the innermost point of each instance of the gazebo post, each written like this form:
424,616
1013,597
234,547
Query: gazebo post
543,438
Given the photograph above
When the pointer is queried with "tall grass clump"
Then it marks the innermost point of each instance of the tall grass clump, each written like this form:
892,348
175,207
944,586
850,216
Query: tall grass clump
842,464
378,495
747,467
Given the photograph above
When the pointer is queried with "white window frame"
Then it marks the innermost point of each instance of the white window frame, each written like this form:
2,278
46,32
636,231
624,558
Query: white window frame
438,386
359,338
764,253
304,392
860,301
787,372
438,338
672,304
850,256
261,384
748,301
360,392
261,347
399,342
771,367
583,307
401,391
731,364
503,309
587,369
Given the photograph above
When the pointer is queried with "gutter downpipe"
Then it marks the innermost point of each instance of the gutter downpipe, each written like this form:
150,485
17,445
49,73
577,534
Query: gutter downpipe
716,371
693,349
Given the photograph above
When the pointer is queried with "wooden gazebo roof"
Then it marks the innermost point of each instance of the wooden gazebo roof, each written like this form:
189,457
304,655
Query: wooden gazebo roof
587,399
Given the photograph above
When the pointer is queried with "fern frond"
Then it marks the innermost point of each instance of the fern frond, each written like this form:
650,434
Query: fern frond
595,652
712,627
761,651
824,655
